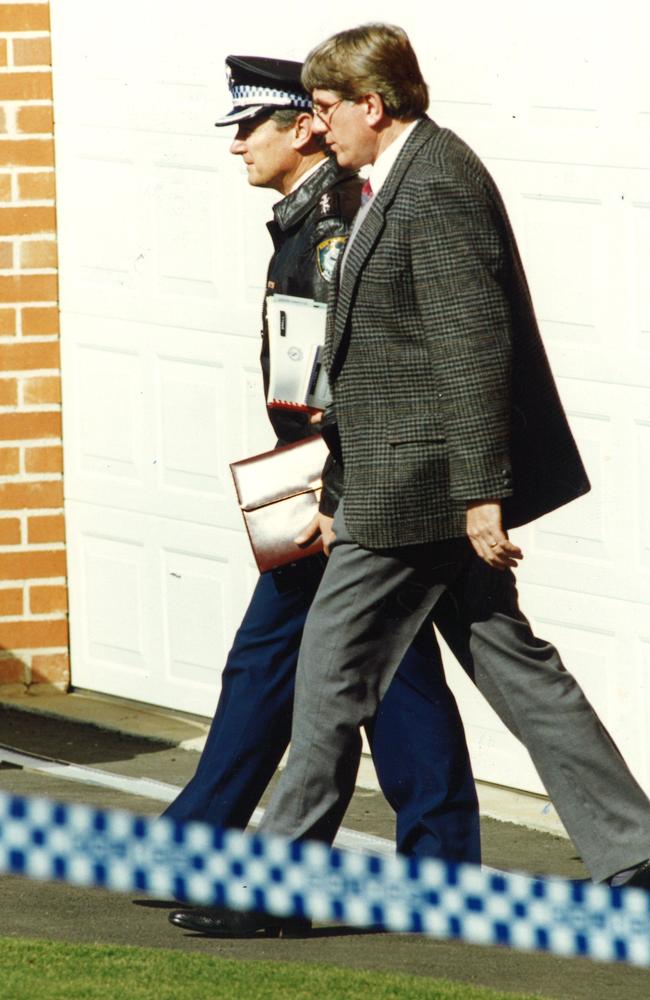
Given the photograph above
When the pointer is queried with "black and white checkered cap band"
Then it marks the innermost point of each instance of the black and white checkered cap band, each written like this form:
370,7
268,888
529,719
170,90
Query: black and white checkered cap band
249,101
245,94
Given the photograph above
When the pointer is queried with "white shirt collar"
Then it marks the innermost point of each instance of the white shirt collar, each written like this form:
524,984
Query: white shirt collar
381,168
312,170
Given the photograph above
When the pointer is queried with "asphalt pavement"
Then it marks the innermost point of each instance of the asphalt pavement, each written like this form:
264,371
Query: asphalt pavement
59,912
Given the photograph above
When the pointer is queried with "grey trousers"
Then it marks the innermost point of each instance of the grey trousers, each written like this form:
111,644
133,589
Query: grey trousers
367,611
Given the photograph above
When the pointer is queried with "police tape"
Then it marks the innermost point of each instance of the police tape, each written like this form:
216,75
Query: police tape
193,862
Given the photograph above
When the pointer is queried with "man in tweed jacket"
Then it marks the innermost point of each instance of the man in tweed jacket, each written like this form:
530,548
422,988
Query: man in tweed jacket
451,430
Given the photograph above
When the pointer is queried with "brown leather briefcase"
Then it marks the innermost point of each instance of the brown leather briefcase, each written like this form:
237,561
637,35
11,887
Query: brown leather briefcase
279,492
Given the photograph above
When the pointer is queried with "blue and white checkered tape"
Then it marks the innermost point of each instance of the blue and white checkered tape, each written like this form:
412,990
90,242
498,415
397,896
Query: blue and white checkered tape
123,852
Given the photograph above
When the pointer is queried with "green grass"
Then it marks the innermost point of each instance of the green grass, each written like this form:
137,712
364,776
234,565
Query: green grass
44,970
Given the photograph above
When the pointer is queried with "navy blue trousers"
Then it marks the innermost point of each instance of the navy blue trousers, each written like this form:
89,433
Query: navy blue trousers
417,739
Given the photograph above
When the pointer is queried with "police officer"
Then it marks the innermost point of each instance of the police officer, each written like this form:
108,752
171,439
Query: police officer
417,740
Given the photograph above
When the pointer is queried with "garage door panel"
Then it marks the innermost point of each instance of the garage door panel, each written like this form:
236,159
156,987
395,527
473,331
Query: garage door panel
587,544
106,249
155,421
190,421
113,571
638,258
168,241
196,605
187,254
256,433
642,429
155,604
108,382
572,228
163,256
585,239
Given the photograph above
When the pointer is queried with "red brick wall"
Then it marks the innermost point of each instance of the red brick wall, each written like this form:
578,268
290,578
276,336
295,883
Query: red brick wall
33,594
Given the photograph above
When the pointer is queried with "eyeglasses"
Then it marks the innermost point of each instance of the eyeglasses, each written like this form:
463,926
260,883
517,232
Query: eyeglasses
326,114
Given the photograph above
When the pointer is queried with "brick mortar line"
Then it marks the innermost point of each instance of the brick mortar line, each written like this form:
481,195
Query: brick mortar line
30,203
26,512
28,32
31,272
21,70
18,654
30,547
29,338
23,373
51,616
29,443
36,548
36,512
31,479
27,202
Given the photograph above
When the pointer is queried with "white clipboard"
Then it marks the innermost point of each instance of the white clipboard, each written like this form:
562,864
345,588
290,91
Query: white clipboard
297,375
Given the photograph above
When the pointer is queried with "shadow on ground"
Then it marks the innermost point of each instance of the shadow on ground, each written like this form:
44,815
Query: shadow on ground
65,913
74,742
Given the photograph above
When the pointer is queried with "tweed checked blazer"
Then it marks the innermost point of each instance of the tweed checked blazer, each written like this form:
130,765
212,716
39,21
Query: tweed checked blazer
442,389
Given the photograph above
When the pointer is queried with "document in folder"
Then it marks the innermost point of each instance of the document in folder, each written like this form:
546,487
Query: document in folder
297,375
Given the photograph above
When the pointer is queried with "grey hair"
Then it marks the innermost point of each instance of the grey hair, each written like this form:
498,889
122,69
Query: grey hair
285,118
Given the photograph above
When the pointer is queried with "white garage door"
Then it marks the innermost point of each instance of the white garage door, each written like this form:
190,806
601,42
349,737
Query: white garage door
163,252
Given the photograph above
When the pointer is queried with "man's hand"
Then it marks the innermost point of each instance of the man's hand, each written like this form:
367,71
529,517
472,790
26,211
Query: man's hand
316,416
487,536
320,525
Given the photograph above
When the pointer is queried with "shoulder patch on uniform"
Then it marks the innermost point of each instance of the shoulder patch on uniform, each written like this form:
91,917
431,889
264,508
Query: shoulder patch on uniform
328,253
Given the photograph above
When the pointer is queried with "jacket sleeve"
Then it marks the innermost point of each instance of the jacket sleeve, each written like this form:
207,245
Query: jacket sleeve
460,258
333,468
332,487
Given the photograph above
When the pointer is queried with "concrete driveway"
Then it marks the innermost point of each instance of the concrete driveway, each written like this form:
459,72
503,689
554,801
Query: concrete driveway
60,912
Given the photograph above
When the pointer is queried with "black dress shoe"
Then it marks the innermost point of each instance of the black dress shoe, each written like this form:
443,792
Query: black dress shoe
221,922
640,879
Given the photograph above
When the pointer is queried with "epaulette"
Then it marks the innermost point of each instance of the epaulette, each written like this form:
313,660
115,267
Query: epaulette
329,206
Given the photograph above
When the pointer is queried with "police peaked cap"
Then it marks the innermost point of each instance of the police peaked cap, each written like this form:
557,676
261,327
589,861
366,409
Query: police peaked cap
258,84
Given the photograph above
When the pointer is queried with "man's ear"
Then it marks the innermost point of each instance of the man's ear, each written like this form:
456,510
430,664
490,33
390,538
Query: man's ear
373,105
302,130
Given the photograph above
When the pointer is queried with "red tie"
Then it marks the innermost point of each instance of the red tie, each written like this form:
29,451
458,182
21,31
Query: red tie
366,193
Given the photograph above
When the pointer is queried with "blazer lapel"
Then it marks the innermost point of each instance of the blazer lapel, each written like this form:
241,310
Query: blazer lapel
367,236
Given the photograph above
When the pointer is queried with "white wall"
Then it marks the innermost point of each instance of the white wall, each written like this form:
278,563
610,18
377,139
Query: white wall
161,279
